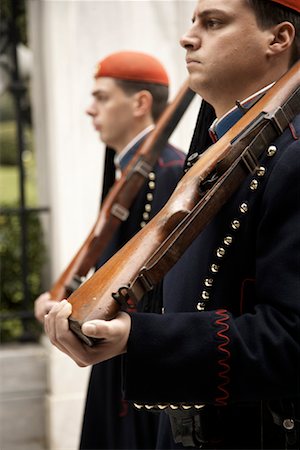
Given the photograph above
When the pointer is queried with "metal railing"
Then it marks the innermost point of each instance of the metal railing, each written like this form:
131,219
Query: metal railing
10,38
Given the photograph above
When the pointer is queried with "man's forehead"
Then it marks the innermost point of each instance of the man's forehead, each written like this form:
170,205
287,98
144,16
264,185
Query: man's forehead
292,4
104,84
216,5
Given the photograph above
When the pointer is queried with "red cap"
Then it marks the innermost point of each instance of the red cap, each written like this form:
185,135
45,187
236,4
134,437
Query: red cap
292,4
134,66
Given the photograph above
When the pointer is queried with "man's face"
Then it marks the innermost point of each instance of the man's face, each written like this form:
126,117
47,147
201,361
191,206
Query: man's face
225,50
112,113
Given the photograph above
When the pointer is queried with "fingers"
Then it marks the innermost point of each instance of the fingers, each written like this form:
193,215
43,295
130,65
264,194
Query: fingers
56,320
112,335
42,306
57,328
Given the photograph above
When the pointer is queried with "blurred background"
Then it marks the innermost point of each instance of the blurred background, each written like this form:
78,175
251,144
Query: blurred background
50,183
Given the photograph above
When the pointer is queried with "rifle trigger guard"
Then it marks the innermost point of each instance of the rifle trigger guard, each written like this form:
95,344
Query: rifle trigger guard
122,297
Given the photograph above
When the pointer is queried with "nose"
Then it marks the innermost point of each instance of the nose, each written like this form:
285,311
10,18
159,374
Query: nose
190,39
90,110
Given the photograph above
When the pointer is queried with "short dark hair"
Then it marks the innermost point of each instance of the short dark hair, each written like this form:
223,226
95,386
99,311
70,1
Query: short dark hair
269,13
159,93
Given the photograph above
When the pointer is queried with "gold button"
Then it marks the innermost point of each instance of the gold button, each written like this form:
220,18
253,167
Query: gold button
254,185
151,176
243,208
220,252
151,184
235,224
271,150
214,268
142,224
148,207
149,197
200,306
228,240
261,171
205,295
145,215
136,405
162,406
208,282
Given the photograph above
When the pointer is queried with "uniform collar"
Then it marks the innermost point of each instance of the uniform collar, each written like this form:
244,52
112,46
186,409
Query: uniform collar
220,126
123,158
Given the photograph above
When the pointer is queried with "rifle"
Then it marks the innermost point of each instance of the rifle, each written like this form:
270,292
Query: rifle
147,257
115,207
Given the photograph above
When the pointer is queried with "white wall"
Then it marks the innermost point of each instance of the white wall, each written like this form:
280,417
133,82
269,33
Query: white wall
67,38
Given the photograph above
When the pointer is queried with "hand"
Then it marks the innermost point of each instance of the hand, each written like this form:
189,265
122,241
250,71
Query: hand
43,305
113,334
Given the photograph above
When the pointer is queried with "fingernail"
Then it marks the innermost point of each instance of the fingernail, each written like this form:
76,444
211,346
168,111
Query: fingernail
89,329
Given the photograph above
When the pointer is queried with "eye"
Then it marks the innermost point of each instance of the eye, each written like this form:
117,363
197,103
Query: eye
213,23
101,97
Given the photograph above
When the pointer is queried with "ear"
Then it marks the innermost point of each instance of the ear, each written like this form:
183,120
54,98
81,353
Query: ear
142,103
282,38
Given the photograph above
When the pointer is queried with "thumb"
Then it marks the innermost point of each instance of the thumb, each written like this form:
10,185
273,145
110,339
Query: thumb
92,328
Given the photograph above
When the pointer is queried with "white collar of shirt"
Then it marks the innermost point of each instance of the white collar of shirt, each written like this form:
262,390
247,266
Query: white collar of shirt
244,102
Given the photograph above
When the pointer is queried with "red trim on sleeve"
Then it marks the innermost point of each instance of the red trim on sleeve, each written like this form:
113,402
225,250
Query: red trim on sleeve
223,363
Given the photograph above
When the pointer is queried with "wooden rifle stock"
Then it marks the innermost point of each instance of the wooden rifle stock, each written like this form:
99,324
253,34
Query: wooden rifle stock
115,207
147,257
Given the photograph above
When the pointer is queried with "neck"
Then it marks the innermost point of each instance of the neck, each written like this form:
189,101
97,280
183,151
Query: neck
135,130
223,103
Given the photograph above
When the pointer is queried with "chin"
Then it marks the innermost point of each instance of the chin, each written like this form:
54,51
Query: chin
201,87
196,85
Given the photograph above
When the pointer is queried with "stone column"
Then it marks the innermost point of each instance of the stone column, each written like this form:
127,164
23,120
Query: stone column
68,38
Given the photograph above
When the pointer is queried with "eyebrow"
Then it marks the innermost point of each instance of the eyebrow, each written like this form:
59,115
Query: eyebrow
98,91
208,12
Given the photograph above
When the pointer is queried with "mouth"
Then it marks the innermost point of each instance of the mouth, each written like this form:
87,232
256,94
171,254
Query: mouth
190,62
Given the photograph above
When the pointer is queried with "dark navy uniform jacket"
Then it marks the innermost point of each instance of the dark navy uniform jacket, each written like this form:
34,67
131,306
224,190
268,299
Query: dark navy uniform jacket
230,335
109,421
